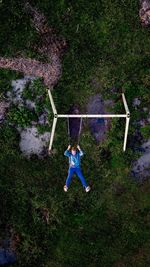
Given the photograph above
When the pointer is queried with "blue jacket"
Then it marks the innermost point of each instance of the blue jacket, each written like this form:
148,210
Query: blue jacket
74,160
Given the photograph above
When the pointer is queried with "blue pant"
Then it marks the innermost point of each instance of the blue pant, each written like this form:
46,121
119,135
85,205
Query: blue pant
78,171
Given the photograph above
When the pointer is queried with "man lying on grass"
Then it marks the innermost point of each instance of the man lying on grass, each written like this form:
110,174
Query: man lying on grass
74,156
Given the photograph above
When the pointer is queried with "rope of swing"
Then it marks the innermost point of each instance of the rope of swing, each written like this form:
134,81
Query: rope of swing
80,127
69,138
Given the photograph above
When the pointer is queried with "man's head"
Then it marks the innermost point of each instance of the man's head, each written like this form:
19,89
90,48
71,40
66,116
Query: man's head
73,150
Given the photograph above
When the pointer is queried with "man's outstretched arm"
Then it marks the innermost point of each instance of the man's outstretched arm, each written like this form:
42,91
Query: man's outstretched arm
67,153
80,151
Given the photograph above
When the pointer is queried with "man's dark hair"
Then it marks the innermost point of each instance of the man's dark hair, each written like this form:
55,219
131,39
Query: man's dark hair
74,148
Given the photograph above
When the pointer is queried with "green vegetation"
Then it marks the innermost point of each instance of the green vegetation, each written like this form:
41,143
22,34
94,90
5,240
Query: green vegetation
34,90
21,116
146,131
109,227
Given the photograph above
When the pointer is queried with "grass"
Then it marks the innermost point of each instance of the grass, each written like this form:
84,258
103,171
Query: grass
109,227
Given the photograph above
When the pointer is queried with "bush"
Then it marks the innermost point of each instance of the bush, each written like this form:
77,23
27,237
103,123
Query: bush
146,131
21,116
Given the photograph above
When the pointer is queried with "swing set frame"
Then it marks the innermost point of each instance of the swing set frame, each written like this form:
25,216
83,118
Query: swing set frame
56,116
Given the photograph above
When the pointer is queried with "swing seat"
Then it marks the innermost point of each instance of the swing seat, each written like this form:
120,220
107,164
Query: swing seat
74,125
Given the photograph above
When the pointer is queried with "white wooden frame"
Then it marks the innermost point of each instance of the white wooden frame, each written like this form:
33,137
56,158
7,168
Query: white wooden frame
56,116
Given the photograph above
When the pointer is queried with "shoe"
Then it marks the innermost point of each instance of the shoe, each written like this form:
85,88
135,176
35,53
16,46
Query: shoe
87,189
65,188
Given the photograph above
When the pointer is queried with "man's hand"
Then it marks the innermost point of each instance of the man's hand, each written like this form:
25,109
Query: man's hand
69,147
78,147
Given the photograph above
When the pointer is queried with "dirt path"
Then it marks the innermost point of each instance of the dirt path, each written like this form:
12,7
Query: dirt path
144,12
50,46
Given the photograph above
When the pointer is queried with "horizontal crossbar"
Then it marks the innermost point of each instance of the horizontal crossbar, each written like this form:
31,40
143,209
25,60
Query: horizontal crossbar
90,115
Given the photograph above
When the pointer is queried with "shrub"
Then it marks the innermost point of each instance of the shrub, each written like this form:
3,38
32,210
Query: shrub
146,131
21,116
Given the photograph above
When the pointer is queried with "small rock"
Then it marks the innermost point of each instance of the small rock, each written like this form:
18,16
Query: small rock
136,102
43,119
30,104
